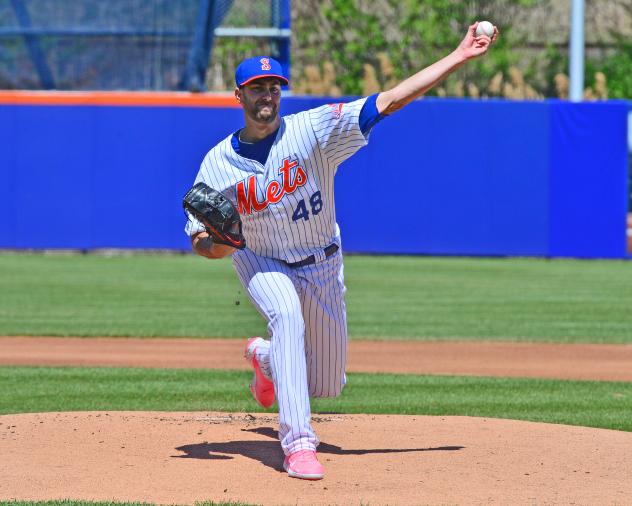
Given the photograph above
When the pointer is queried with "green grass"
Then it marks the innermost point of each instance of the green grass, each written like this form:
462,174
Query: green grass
388,297
586,403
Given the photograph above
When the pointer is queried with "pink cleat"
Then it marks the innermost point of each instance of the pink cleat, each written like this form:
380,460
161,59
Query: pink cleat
261,387
304,464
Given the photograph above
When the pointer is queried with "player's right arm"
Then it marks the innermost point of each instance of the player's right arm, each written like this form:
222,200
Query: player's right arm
203,245
472,46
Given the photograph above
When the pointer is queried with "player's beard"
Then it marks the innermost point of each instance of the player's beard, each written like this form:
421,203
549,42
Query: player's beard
262,113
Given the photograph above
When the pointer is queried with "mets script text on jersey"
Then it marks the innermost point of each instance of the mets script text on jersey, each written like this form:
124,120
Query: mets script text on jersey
275,191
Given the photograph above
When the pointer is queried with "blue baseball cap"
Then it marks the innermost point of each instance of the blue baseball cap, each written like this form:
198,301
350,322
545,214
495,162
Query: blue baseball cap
258,67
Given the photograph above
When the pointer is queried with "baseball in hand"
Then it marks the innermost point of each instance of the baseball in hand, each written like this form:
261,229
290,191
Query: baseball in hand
485,28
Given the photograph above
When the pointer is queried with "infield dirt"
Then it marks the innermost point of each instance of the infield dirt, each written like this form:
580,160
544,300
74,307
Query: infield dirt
168,458
186,457
603,362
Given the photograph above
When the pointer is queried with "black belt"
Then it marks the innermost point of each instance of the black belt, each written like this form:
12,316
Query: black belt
329,250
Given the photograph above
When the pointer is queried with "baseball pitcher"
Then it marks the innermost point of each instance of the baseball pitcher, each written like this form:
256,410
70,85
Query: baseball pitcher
265,195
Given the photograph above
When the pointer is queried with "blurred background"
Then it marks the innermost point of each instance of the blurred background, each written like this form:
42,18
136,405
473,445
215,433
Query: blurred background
336,47
552,163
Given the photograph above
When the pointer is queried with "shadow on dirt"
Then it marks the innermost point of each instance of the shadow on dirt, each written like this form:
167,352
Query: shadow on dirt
269,453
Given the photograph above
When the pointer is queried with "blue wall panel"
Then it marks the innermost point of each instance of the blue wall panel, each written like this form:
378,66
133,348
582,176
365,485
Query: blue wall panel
88,173
134,153
466,176
589,172
440,177
8,175
460,175
54,168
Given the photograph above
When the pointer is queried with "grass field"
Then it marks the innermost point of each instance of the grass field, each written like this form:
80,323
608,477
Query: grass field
388,297
586,403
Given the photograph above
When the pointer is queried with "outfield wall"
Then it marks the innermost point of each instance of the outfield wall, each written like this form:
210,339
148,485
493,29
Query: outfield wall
455,177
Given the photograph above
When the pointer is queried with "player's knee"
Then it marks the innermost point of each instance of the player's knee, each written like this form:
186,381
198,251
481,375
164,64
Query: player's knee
289,318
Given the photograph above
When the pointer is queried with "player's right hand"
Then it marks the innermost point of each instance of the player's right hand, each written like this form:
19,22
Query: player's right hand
473,46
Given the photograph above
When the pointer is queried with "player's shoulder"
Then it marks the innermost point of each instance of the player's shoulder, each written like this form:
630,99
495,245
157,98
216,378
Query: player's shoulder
336,110
218,163
290,119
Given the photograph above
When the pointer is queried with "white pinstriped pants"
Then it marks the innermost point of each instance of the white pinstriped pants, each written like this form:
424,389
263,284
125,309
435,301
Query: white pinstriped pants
307,324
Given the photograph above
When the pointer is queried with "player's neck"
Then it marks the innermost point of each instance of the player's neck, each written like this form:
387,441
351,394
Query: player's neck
255,131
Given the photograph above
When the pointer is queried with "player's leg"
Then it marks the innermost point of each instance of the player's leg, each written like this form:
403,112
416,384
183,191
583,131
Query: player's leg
322,293
271,288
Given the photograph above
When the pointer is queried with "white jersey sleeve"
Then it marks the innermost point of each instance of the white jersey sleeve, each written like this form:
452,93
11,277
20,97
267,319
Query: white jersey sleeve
337,130
193,226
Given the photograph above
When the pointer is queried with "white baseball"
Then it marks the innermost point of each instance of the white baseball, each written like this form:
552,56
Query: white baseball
485,28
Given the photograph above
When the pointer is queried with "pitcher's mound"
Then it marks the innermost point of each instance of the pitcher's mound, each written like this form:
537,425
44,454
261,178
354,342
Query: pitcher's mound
181,458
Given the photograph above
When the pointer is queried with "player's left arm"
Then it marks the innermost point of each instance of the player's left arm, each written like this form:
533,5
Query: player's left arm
472,46
203,244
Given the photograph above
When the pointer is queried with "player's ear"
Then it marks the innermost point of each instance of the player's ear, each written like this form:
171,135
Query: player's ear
238,94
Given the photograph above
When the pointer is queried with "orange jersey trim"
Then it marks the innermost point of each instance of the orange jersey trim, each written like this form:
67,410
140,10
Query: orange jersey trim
118,98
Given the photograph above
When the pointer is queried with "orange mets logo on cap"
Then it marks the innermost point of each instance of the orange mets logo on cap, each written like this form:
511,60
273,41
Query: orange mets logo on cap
265,64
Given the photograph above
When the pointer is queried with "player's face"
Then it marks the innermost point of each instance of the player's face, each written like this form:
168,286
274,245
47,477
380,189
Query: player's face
260,99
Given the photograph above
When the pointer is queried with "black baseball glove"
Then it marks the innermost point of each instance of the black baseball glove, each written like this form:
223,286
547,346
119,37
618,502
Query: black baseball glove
218,215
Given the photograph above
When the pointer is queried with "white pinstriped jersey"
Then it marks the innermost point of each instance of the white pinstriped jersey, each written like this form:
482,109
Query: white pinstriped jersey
287,205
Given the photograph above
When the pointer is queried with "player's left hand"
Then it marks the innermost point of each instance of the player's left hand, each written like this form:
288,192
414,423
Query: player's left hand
473,46
216,213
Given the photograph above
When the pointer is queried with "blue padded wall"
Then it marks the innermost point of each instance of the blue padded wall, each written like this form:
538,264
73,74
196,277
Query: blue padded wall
458,183
86,173
452,177
588,180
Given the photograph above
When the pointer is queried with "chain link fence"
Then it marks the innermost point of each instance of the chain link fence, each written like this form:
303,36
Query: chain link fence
105,45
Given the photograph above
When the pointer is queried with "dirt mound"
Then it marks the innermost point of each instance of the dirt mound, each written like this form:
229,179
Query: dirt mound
187,457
